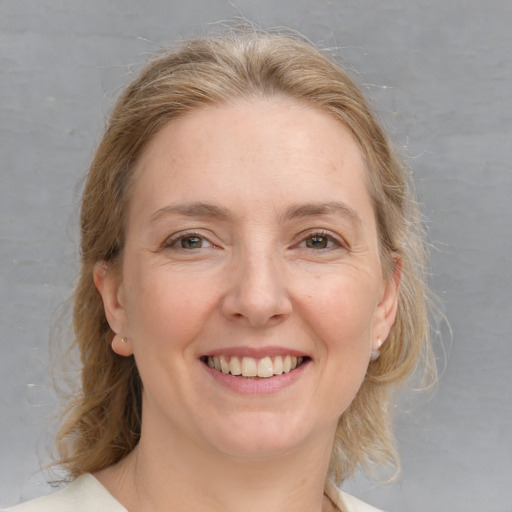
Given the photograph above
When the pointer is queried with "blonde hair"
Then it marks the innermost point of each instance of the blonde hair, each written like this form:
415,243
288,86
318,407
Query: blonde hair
103,422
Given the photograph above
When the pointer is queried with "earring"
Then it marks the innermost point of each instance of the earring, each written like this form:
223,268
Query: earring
122,339
121,346
376,353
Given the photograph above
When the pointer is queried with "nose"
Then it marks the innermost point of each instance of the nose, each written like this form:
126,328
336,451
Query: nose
257,294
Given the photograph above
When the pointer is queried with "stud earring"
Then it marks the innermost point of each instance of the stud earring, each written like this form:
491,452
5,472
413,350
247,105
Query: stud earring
121,346
116,339
376,353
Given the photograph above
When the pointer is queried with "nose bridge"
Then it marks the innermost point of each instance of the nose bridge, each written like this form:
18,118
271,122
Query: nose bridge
258,291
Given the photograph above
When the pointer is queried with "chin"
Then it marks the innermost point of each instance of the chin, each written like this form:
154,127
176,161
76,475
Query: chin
260,437
256,449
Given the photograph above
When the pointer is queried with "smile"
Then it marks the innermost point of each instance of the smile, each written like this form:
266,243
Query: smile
264,367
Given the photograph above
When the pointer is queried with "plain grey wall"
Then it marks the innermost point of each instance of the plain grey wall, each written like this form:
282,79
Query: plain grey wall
441,75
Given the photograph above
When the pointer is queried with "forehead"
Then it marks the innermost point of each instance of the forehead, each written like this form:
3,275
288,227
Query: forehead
265,149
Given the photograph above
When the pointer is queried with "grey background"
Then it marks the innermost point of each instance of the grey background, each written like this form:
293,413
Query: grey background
441,75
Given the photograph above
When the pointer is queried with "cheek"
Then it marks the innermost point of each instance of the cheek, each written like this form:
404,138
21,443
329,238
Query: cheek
340,315
165,307
340,310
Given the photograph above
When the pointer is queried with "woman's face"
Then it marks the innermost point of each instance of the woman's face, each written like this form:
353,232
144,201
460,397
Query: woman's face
251,248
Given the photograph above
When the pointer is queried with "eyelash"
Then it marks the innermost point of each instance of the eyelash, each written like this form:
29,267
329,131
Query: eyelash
328,236
171,242
336,243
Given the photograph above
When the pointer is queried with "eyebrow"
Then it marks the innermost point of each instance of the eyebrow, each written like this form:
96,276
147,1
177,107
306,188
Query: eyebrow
318,209
194,209
206,210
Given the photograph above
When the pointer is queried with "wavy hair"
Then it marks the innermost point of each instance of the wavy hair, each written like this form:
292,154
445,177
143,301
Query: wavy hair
103,421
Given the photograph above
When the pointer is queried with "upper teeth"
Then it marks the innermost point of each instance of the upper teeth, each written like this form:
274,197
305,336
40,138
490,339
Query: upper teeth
251,367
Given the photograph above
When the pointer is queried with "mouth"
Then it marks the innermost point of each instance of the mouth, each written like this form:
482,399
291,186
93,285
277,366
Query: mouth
251,367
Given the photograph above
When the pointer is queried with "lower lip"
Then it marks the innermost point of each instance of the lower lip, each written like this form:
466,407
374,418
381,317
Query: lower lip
257,386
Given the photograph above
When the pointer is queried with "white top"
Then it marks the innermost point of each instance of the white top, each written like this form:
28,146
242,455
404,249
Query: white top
87,494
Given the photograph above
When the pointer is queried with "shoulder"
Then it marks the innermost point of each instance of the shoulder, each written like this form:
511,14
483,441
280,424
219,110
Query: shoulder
345,502
85,494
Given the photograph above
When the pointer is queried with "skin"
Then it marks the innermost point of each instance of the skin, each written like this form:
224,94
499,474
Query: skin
264,264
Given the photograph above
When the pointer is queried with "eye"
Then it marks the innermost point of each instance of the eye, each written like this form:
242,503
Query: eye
187,241
320,241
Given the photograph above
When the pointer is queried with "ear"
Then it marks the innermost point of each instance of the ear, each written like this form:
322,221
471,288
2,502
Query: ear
387,308
111,290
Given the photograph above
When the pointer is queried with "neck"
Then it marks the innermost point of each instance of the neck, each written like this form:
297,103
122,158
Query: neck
156,474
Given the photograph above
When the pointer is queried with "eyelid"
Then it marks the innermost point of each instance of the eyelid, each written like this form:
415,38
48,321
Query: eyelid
172,239
337,239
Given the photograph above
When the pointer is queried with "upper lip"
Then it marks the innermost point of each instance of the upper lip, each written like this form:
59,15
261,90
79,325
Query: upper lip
255,352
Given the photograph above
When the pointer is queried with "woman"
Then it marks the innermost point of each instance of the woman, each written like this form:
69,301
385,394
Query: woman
251,287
